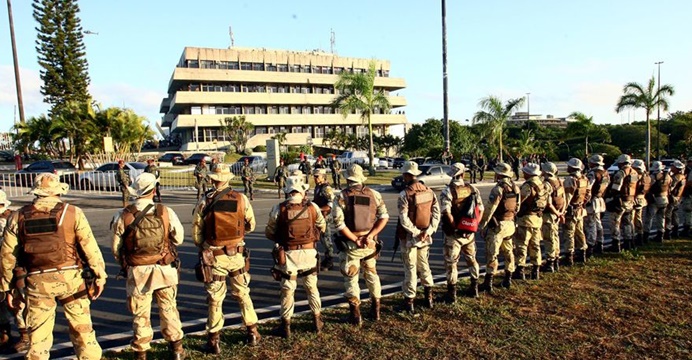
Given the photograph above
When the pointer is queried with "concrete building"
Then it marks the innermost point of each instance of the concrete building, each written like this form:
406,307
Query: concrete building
520,117
277,91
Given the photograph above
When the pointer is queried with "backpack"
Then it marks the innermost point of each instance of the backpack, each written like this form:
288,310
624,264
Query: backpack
146,236
421,200
47,238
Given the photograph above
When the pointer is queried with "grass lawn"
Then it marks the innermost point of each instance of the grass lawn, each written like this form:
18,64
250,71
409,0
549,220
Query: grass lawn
632,305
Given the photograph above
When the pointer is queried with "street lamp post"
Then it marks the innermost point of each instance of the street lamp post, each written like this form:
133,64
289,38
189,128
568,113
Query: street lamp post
445,100
528,106
17,80
658,120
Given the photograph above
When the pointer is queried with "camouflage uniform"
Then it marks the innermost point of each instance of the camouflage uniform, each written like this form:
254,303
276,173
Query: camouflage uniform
147,281
123,180
593,225
550,229
640,204
335,166
687,203
239,285
6,314
674,210
248,178
43,289
153,169
573,229
527,238
658,202
201,181
324,197
621,217
280,175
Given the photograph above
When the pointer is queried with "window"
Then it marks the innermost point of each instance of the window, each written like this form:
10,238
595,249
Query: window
271,67
211,110
338,70
295,110
317,69
307,110
296,68
319,132
283,89
232,88
270,130
207,87
272,110
305,90
196,110
245,66
193,64
207,64
259,110
318,90
272,88
348,130
249,110
436,170
233,65
282,129
235,110
244,88
328,110
296,129
307,69
257,66
282,68
361,131
260,130
326,70
194,87
318,109
283,110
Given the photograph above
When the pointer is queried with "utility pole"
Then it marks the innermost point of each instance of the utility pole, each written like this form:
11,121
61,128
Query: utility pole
445,99
17,80
658,120
528,106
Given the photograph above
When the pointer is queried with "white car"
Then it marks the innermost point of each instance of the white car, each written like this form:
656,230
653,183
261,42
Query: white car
104,176
614,168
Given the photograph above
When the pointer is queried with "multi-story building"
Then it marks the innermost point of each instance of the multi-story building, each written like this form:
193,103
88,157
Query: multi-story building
520,117
278,91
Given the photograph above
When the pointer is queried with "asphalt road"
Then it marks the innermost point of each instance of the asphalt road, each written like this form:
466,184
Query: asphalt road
112,322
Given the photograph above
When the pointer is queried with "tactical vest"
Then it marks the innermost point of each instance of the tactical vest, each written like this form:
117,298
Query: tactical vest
224,224
600,184
580,191
507,208
643,185
420,202
47,238
558,194
536,202
629,183
321,200
678,180
461,194
6,214
661,185
361,209
148,243
296,224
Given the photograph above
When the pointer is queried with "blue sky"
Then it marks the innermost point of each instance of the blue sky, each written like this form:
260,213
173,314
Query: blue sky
571,56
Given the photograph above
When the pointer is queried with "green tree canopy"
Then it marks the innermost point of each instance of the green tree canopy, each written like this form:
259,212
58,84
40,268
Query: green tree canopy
494,115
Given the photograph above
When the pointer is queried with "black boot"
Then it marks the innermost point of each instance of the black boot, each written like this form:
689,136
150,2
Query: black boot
140,355
639,240
407,306
580,256
519,273
473,288
284,329
569,259
214,343
627,244
598,248
675,233
354,317
488,283
375,309
548,267
666,235
507,281
686,231
253,336
535,273
428,290
556,264
317,323
451,296
615,246
177,351
659,237
589,251
327,263
5,338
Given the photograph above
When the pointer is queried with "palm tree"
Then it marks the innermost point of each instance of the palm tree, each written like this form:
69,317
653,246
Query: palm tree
495,115
637,96
280,138
584,127
239,131
357,94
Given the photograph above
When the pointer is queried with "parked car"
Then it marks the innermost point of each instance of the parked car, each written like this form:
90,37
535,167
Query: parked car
64,169
383,164
434,176
194,159
353,157
398,162
258,164
296,163
426,160
104,176
173,158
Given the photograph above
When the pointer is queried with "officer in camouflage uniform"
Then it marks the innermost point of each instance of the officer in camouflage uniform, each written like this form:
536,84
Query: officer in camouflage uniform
577,194
216,231
201,181
673,211
359,215
295,226
554,211
687,200
622,190
335,166
153,169
52,275
455,198
593,226
498,225
248,178
6,315
305,168
324,197
643,187
280,175
658,200
527,238
150,275
123,179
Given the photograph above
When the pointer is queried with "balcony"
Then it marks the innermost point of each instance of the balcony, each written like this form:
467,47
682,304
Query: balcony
188,121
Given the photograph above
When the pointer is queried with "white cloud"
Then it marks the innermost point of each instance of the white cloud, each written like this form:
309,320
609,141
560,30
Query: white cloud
31,91
143,101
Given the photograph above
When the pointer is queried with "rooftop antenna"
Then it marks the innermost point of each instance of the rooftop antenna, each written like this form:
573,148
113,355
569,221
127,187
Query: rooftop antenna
230,33
332,40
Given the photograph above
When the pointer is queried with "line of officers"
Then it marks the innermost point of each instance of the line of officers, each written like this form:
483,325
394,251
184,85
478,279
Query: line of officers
49,253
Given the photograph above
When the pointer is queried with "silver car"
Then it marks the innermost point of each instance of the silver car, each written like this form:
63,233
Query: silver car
104,176
434,176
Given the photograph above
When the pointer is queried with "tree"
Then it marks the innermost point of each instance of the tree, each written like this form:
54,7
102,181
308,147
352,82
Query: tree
280,138
495,115
357,94
61,53
238,130
637,96
583,126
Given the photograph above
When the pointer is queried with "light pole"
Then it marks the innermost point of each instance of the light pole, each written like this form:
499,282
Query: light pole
445,106
528,106
658,120
17,81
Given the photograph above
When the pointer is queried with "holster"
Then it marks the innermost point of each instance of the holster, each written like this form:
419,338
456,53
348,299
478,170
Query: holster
203,272
448,224
246,255
340,242
89,280
19,277
493,223
279,255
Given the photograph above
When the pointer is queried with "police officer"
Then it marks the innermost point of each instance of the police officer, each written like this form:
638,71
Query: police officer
474,169
248,178
419,216
554,211
622,189
527,238
305,168
595,207
280,175
658,200
145,238
319,163
643,186
673,212
63,248
214,164
295,226
577,194
220,222
324,198
335,166
687,200
153,169
498,225
6,315
123,179
200,174
455,198
359,215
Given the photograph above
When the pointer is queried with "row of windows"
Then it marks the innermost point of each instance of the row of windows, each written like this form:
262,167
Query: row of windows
236,65
209,134
263,109
271,88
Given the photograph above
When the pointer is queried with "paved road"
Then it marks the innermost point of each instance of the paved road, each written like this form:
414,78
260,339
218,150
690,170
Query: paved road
113,323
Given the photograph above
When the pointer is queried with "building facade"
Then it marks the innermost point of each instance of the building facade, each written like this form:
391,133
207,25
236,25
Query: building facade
521,117
278,91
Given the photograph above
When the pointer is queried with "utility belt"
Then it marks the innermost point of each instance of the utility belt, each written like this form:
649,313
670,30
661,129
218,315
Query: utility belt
207,260
279,256
86,288
46,271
